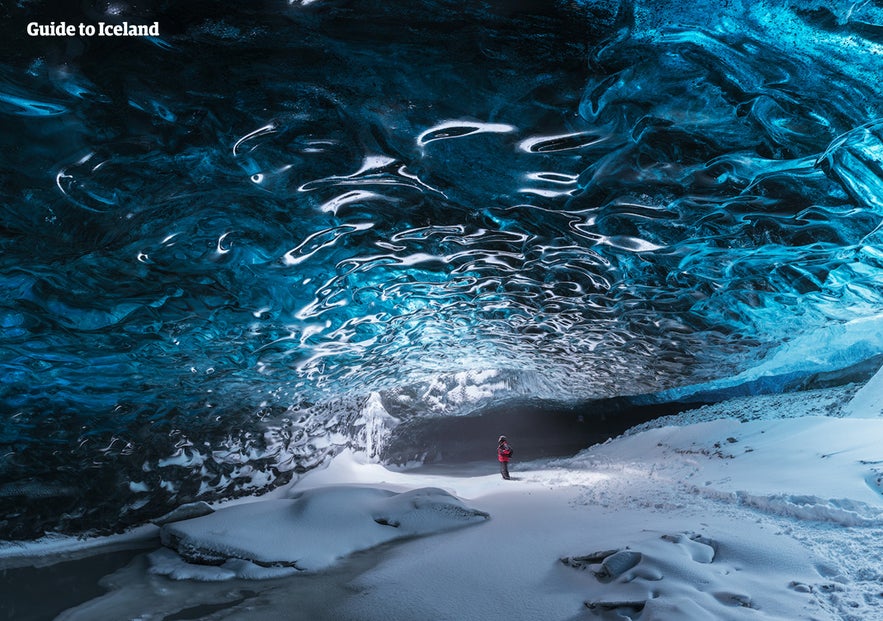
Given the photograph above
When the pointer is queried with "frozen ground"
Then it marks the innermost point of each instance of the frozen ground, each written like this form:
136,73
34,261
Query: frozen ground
758,508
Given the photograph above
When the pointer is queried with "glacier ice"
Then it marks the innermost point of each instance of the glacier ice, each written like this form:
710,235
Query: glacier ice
223,247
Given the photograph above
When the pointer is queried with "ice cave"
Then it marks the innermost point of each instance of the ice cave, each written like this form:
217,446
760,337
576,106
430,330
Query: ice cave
275,275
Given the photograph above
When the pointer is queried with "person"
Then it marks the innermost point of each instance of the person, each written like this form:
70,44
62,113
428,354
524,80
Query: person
504,452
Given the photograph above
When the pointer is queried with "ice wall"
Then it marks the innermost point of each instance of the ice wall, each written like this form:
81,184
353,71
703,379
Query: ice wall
241,228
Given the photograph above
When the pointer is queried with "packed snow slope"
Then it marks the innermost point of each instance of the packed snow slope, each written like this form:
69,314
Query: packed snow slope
218,243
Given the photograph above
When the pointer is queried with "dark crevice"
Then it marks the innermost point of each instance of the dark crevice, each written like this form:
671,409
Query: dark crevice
536,430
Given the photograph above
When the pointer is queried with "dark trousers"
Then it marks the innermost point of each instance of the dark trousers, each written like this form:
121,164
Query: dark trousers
504,469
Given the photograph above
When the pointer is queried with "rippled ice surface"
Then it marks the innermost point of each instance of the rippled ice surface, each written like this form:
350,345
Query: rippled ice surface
276,205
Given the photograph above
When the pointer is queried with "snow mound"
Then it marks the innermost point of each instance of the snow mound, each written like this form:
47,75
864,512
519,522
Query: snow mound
844,511
812,468
687,576
868,402
310,531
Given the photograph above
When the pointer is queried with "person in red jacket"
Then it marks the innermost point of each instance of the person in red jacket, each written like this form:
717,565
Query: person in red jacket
504,452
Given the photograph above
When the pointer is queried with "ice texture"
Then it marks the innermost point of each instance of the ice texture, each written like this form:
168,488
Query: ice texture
218,244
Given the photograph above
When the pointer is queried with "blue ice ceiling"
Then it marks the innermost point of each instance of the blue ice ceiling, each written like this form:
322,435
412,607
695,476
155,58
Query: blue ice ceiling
221,240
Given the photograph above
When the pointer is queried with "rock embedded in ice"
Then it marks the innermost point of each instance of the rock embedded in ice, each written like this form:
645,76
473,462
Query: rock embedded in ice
315,528
622,609
184,512
581,562
166,562
617,564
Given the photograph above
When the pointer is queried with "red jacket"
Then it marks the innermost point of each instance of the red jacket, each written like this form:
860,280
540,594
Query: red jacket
503,451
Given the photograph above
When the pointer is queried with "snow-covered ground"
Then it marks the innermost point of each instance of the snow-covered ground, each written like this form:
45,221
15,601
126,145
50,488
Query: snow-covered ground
757,508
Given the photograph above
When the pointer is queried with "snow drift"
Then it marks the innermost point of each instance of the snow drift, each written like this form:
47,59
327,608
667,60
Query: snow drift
310,531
